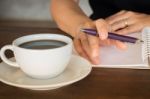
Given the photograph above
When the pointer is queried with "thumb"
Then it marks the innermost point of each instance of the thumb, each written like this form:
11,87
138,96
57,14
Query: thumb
102,28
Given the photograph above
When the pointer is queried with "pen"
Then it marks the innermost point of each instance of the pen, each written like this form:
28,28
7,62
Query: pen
114,36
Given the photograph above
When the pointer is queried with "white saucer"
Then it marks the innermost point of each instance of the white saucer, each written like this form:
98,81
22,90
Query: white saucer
77,69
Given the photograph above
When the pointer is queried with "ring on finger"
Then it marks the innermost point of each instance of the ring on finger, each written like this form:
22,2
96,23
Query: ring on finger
126,24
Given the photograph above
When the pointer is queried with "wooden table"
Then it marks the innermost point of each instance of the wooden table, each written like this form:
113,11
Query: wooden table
102,83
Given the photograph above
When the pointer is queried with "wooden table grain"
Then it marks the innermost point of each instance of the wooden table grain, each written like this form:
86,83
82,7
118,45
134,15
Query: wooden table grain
102,83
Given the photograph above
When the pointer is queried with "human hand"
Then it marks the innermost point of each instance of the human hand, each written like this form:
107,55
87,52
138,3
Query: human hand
125,22
88,46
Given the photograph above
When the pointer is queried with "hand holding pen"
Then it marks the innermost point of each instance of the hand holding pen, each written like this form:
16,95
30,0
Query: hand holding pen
88,46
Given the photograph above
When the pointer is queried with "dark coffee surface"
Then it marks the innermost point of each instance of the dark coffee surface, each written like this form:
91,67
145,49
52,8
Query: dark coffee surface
43,44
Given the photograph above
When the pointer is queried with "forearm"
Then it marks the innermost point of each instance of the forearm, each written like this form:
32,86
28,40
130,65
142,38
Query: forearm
68,15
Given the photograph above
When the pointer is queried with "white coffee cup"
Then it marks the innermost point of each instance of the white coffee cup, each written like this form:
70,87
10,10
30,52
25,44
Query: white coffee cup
41,64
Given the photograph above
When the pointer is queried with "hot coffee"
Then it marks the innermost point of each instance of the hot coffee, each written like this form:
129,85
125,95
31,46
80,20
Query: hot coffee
43,44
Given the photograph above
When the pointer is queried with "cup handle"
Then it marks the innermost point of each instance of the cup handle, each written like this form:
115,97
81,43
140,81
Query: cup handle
4,58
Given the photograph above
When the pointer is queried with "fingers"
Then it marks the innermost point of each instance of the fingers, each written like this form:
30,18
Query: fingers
94,49
121,24
120,45
102,28
79,49
106,42
85,44
119,17
89,44
109,19
88,47
130,29
120,20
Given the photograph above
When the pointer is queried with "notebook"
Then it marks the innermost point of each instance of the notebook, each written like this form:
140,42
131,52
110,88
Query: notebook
136,56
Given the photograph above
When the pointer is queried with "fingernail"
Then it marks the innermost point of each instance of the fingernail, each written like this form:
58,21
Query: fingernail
124,47
103,36
96,60
95,57
94,53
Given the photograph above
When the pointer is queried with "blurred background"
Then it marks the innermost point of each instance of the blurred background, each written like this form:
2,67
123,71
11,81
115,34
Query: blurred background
30,10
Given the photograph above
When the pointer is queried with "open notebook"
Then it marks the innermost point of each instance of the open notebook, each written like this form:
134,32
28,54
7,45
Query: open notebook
136,56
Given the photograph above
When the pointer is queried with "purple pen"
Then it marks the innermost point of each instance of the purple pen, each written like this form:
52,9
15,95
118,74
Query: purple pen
114,36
